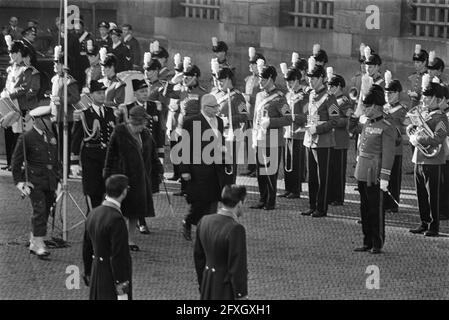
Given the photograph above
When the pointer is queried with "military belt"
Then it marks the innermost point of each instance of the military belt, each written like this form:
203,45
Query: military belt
96,145
368,155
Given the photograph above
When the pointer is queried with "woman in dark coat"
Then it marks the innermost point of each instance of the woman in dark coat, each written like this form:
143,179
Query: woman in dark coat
132,152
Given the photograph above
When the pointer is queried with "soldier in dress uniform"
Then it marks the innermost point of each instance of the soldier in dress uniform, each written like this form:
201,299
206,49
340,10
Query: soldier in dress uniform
104,40
28,37
323,114
115,92
420,59
294,159
374,162
161,54
132,44
38,149
444,207
429,169
396,113
234,113
336,84
83,37
35,82
271,114
435,69
152,68
372,65
120,51
93,73
90,139
320,55
220,49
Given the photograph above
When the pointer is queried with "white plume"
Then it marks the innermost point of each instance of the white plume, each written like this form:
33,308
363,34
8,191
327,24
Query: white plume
112,25
284,68
151,47
431,56
367,52
58,50
362,49
90,45
146,58
417,48
329,72
251,52
177,59
316,49
156,46
295,57
311,63
425,81
8,40
387,77
214,41
436,80
214,66
260,65
186,63
103,53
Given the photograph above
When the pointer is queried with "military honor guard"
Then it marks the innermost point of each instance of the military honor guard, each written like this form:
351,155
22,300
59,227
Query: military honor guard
294,152
337,182
93,73
120,51
427,133
90,138
373,169
161,54
83,37
372,65
28,37
395,114
104,41
444,207
37,152
220,50
323,114
132,44
271,114
435,69
34,90
420,59
115,88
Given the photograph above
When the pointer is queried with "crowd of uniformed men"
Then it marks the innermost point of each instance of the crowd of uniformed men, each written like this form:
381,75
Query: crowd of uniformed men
309,127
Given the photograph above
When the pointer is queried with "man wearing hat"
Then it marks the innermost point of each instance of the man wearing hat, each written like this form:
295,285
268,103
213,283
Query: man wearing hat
444,190
372,65
294,159
234,100
120,51
220,49
374,162
13,28
336,84
320,55
28,37
323,115
83,36
115,88
435,68
429,170
93,72
395,114
132,152
132,44
204,178
155,86
34,93
161,54
271,114
104,40
38,149
420,59
90,138
251,89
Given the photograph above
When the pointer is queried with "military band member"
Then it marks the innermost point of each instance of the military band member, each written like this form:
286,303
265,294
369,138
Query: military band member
374,162
90,139
420,59
435,69
115,91
38,149
429,169
28,37
161,54
93,73
444,207
104,41
320,55
234,100
336,84
34,88
395,114
372,65
294,152
83,37
220,49
323,113
120,51
271,114
132,44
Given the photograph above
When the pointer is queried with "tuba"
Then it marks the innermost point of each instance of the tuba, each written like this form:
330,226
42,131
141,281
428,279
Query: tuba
419,125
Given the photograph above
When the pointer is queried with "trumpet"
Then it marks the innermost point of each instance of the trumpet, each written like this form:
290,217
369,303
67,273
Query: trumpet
230,136
419,125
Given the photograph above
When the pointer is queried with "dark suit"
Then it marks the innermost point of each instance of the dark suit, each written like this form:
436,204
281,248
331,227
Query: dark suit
220,258
207,180
33,53
106,253
134,48
123,57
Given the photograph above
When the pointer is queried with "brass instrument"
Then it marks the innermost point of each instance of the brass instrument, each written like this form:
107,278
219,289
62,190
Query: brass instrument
353,93
230,136
419,125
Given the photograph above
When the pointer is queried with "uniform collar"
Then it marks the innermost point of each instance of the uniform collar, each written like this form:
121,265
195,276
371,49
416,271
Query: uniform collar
128,37
113,201
227,213
114,46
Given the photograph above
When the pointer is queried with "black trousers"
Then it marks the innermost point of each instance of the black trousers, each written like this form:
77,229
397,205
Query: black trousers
337,181
296,169
372,212
10,143
428,184
444,191
231,169
395,184
252,166
267,174
59,132
175,166
318,165
41,201
198,209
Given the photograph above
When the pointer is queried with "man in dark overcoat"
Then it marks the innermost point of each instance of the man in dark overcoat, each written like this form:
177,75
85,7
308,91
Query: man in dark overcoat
132,151
107,262
220,250
204,178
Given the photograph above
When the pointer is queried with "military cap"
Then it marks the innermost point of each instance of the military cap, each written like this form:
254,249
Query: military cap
293,74
435,63
221,46
40,112
58,56
161,53
138,115
375,96
103,24
95,85
92,51
316,72
434,90
420,54
393,86
139,84
116,31
29,30
336,81
268,72
17,46
192,71
373,59
153,64
110,60
225,73
321,56
301,64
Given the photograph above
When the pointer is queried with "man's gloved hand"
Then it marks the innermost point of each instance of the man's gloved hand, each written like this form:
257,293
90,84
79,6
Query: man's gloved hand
85,90
312,130
225,121
58,189
363,119
265,122
383,185
25,188
186,176
75,169
413,140
122,297
55,99
4,94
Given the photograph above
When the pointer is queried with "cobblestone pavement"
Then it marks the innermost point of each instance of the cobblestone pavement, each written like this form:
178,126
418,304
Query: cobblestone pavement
289,256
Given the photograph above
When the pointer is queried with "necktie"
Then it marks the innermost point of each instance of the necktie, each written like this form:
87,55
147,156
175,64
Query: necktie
101,112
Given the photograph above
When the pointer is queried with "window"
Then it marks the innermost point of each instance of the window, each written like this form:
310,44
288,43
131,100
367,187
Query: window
202,9
313,14
430,18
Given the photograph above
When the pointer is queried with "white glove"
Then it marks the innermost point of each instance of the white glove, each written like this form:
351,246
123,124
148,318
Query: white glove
178,131
173,105
58,189
161,160
76,169
186,176
85,90
168,134
25,188
122,297
55,99
4,94
265,122
225,121
363,119
412,94
383,185
312,130
413,140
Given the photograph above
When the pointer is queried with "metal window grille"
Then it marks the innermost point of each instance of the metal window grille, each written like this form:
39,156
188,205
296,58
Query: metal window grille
430,18
202,9
313,14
